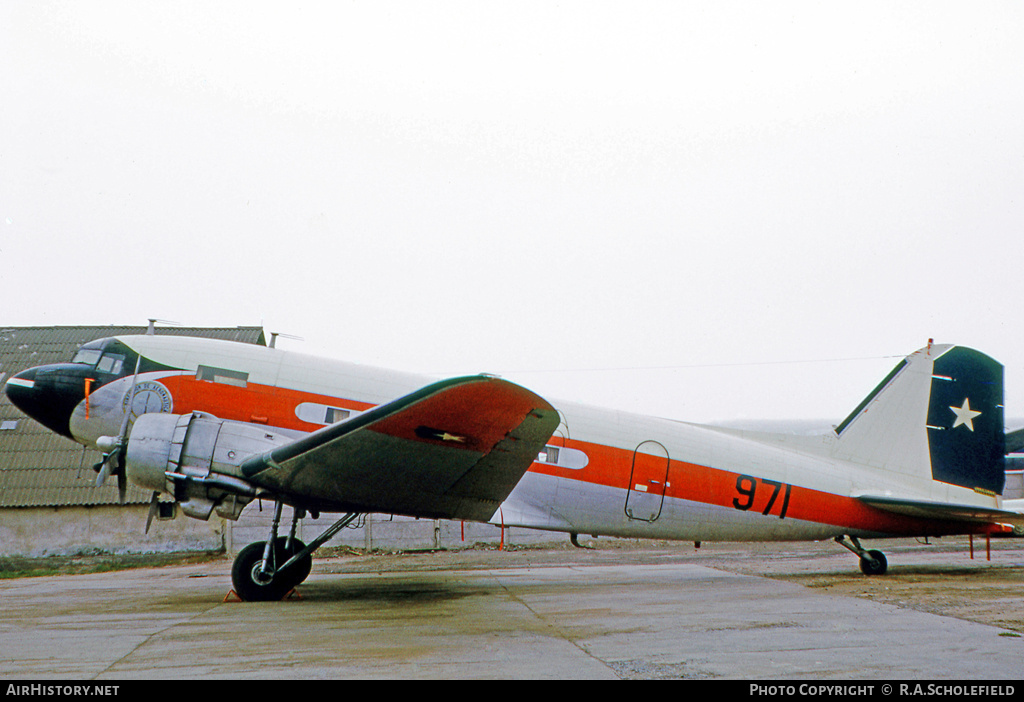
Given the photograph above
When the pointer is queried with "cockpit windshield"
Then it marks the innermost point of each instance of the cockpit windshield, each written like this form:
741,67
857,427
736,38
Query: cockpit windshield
87,356
107,356
111,363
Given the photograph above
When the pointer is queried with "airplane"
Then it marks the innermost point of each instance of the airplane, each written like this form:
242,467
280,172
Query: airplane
217,424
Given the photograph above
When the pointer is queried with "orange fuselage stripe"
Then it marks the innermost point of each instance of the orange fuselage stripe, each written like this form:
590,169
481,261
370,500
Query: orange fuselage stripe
265,404
608,466
611,467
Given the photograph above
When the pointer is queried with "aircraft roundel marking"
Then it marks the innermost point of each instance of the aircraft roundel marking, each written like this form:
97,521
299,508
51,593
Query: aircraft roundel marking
148,397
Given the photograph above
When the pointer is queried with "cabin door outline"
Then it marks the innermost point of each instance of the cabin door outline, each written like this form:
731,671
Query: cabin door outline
648,479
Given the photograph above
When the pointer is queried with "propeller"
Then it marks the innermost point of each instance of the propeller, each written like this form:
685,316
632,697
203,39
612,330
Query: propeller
113,447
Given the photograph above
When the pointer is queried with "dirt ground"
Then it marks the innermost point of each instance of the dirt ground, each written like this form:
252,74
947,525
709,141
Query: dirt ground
936,576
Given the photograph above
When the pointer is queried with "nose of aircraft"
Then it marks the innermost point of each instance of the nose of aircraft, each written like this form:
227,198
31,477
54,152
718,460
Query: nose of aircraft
48,394
20,390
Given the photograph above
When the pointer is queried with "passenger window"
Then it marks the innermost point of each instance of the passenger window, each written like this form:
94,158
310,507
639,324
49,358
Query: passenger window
222,375
563,457
335,414
549,455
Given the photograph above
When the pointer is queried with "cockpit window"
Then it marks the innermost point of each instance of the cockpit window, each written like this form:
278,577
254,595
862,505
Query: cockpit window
111,363
87,356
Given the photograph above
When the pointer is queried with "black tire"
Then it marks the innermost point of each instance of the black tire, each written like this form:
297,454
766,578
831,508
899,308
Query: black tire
874,564
252,587
299,571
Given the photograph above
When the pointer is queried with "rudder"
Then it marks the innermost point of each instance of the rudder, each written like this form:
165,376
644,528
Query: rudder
966,439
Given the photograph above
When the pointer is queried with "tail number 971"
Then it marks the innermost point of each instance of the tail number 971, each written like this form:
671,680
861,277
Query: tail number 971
746,488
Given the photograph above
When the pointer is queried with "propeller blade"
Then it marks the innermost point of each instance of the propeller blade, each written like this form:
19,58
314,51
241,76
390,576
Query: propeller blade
154,507
110,465
104,471
131,399
111,462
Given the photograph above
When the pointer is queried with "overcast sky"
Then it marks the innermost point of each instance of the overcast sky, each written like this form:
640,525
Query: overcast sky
703,211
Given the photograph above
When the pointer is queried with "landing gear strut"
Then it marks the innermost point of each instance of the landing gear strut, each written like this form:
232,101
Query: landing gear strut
262,572
871,562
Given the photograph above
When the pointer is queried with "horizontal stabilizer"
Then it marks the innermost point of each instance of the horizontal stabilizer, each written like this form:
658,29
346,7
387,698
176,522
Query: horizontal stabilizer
1015,442
942,510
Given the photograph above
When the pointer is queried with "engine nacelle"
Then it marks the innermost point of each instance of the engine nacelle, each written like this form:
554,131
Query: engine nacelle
195,457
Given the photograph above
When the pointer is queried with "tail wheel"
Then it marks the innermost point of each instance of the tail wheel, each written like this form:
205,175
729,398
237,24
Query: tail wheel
874,563
254,585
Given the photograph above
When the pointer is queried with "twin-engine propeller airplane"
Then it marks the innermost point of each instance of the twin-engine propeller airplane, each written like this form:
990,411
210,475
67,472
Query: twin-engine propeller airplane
217,424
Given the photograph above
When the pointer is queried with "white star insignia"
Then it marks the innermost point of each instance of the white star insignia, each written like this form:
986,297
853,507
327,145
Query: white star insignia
964,415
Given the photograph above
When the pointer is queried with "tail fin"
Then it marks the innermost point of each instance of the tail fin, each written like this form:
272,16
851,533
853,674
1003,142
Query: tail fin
938,415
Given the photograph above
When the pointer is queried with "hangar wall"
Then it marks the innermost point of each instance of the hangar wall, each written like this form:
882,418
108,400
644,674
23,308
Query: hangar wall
67,531
83,530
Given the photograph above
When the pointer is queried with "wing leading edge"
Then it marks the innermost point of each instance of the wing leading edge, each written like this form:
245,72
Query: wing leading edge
451,450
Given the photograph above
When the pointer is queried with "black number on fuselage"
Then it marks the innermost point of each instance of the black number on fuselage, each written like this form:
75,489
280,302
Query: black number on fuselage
775,494
785,502
746,486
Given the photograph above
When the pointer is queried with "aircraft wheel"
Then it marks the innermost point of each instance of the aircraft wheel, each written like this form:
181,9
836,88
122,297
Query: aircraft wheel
254,586
875,564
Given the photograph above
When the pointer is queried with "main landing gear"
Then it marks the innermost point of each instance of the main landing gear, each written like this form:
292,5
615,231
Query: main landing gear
871,562
262,572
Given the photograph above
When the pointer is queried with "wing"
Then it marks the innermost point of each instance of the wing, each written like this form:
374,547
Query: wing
453,450
942,510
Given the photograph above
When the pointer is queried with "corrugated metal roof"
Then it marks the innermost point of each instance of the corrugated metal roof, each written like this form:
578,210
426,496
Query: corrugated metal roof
39,468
